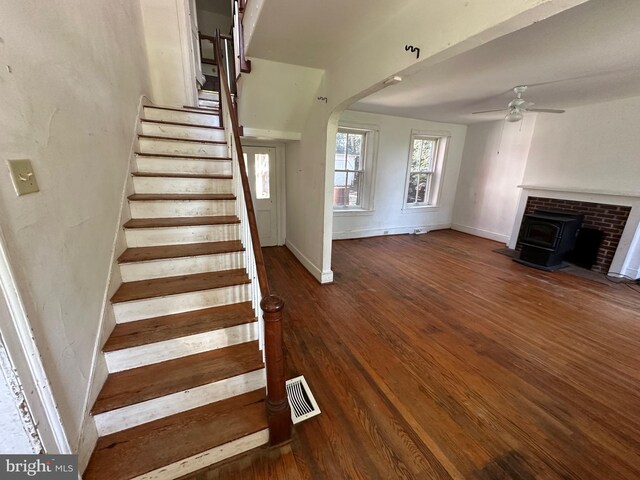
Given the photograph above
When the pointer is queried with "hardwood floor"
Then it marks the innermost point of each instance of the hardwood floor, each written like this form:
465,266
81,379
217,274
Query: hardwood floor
433,357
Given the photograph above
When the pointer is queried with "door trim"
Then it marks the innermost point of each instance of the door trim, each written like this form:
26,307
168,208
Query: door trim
25,356
281,212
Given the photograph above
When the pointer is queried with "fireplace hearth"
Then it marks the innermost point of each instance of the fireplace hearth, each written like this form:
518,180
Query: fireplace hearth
609,219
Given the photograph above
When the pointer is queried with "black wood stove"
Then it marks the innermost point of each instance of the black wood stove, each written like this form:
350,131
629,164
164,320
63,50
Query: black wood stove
546,237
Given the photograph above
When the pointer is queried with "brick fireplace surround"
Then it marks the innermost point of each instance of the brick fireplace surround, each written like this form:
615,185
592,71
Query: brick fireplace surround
610,219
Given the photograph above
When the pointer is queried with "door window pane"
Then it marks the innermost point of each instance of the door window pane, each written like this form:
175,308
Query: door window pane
263,190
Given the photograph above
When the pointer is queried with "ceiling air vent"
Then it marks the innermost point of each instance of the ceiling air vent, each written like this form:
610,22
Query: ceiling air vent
303,405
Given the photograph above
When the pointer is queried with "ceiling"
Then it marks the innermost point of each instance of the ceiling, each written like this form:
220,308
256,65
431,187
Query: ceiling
311,33
588,54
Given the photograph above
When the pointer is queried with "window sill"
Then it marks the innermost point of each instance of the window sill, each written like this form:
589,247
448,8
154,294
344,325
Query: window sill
420,209
352,212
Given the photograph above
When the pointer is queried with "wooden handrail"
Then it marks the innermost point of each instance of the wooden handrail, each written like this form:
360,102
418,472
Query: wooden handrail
278,410
235,131
245,65
213,39
206,37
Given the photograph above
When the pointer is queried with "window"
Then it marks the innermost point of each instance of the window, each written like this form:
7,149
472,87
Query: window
349,168
262,176
426,156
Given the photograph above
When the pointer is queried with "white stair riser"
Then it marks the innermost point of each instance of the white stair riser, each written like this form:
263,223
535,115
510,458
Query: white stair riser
173,267
181,131
151,145
153,237
181,208
192,118
208,103
184,302
182,185
180,347
210,457
183,165
150,410
208,95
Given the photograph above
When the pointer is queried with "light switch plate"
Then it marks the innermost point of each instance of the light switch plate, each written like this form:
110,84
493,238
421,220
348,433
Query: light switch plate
22,176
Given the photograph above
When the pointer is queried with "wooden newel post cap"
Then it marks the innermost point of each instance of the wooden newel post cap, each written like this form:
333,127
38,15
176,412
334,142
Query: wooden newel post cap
272,304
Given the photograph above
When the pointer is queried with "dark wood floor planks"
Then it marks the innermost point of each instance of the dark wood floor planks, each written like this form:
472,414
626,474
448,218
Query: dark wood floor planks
432,356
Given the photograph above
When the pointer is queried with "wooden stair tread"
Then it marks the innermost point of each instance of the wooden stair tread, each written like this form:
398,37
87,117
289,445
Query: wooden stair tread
164,286
181,175
168,327
206,109
143,254
181,221
159,379
139,450
176,139
178,109
181,155
180,196
181,124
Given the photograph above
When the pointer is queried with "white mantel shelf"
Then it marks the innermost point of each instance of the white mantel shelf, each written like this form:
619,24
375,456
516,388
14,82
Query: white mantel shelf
580,190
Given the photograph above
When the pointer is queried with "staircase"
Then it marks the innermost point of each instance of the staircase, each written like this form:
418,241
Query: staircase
186,384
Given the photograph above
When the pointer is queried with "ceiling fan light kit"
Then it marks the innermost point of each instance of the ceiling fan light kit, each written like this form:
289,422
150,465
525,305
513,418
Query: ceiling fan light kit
514,115
518,106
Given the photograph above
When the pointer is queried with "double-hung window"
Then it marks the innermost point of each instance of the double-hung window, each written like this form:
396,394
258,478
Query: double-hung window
426,156
350,164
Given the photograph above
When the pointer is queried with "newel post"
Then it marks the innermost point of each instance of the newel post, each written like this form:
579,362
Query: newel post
278,410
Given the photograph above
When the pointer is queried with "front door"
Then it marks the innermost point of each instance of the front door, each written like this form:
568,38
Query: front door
261,168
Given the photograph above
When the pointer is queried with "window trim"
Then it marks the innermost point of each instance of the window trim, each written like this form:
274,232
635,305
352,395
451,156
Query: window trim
432,199
371,133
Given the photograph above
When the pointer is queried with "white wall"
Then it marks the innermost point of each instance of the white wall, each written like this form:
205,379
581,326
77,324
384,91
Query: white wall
358,71
167,38
71,80
208,22
275,98
493,163
590,147
390,175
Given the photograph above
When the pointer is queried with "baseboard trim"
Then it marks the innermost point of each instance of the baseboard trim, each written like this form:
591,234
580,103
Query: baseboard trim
633,273
325,276
382,231
478,232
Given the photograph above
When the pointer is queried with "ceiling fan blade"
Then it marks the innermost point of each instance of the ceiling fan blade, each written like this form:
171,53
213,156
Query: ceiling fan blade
491,111
545,110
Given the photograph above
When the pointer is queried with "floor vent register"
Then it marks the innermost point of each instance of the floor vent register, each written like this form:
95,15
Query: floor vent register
303,404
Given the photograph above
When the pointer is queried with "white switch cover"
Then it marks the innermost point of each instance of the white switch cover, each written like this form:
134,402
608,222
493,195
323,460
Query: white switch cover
22,176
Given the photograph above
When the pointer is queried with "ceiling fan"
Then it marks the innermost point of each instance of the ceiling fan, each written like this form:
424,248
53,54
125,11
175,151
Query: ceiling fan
516,108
